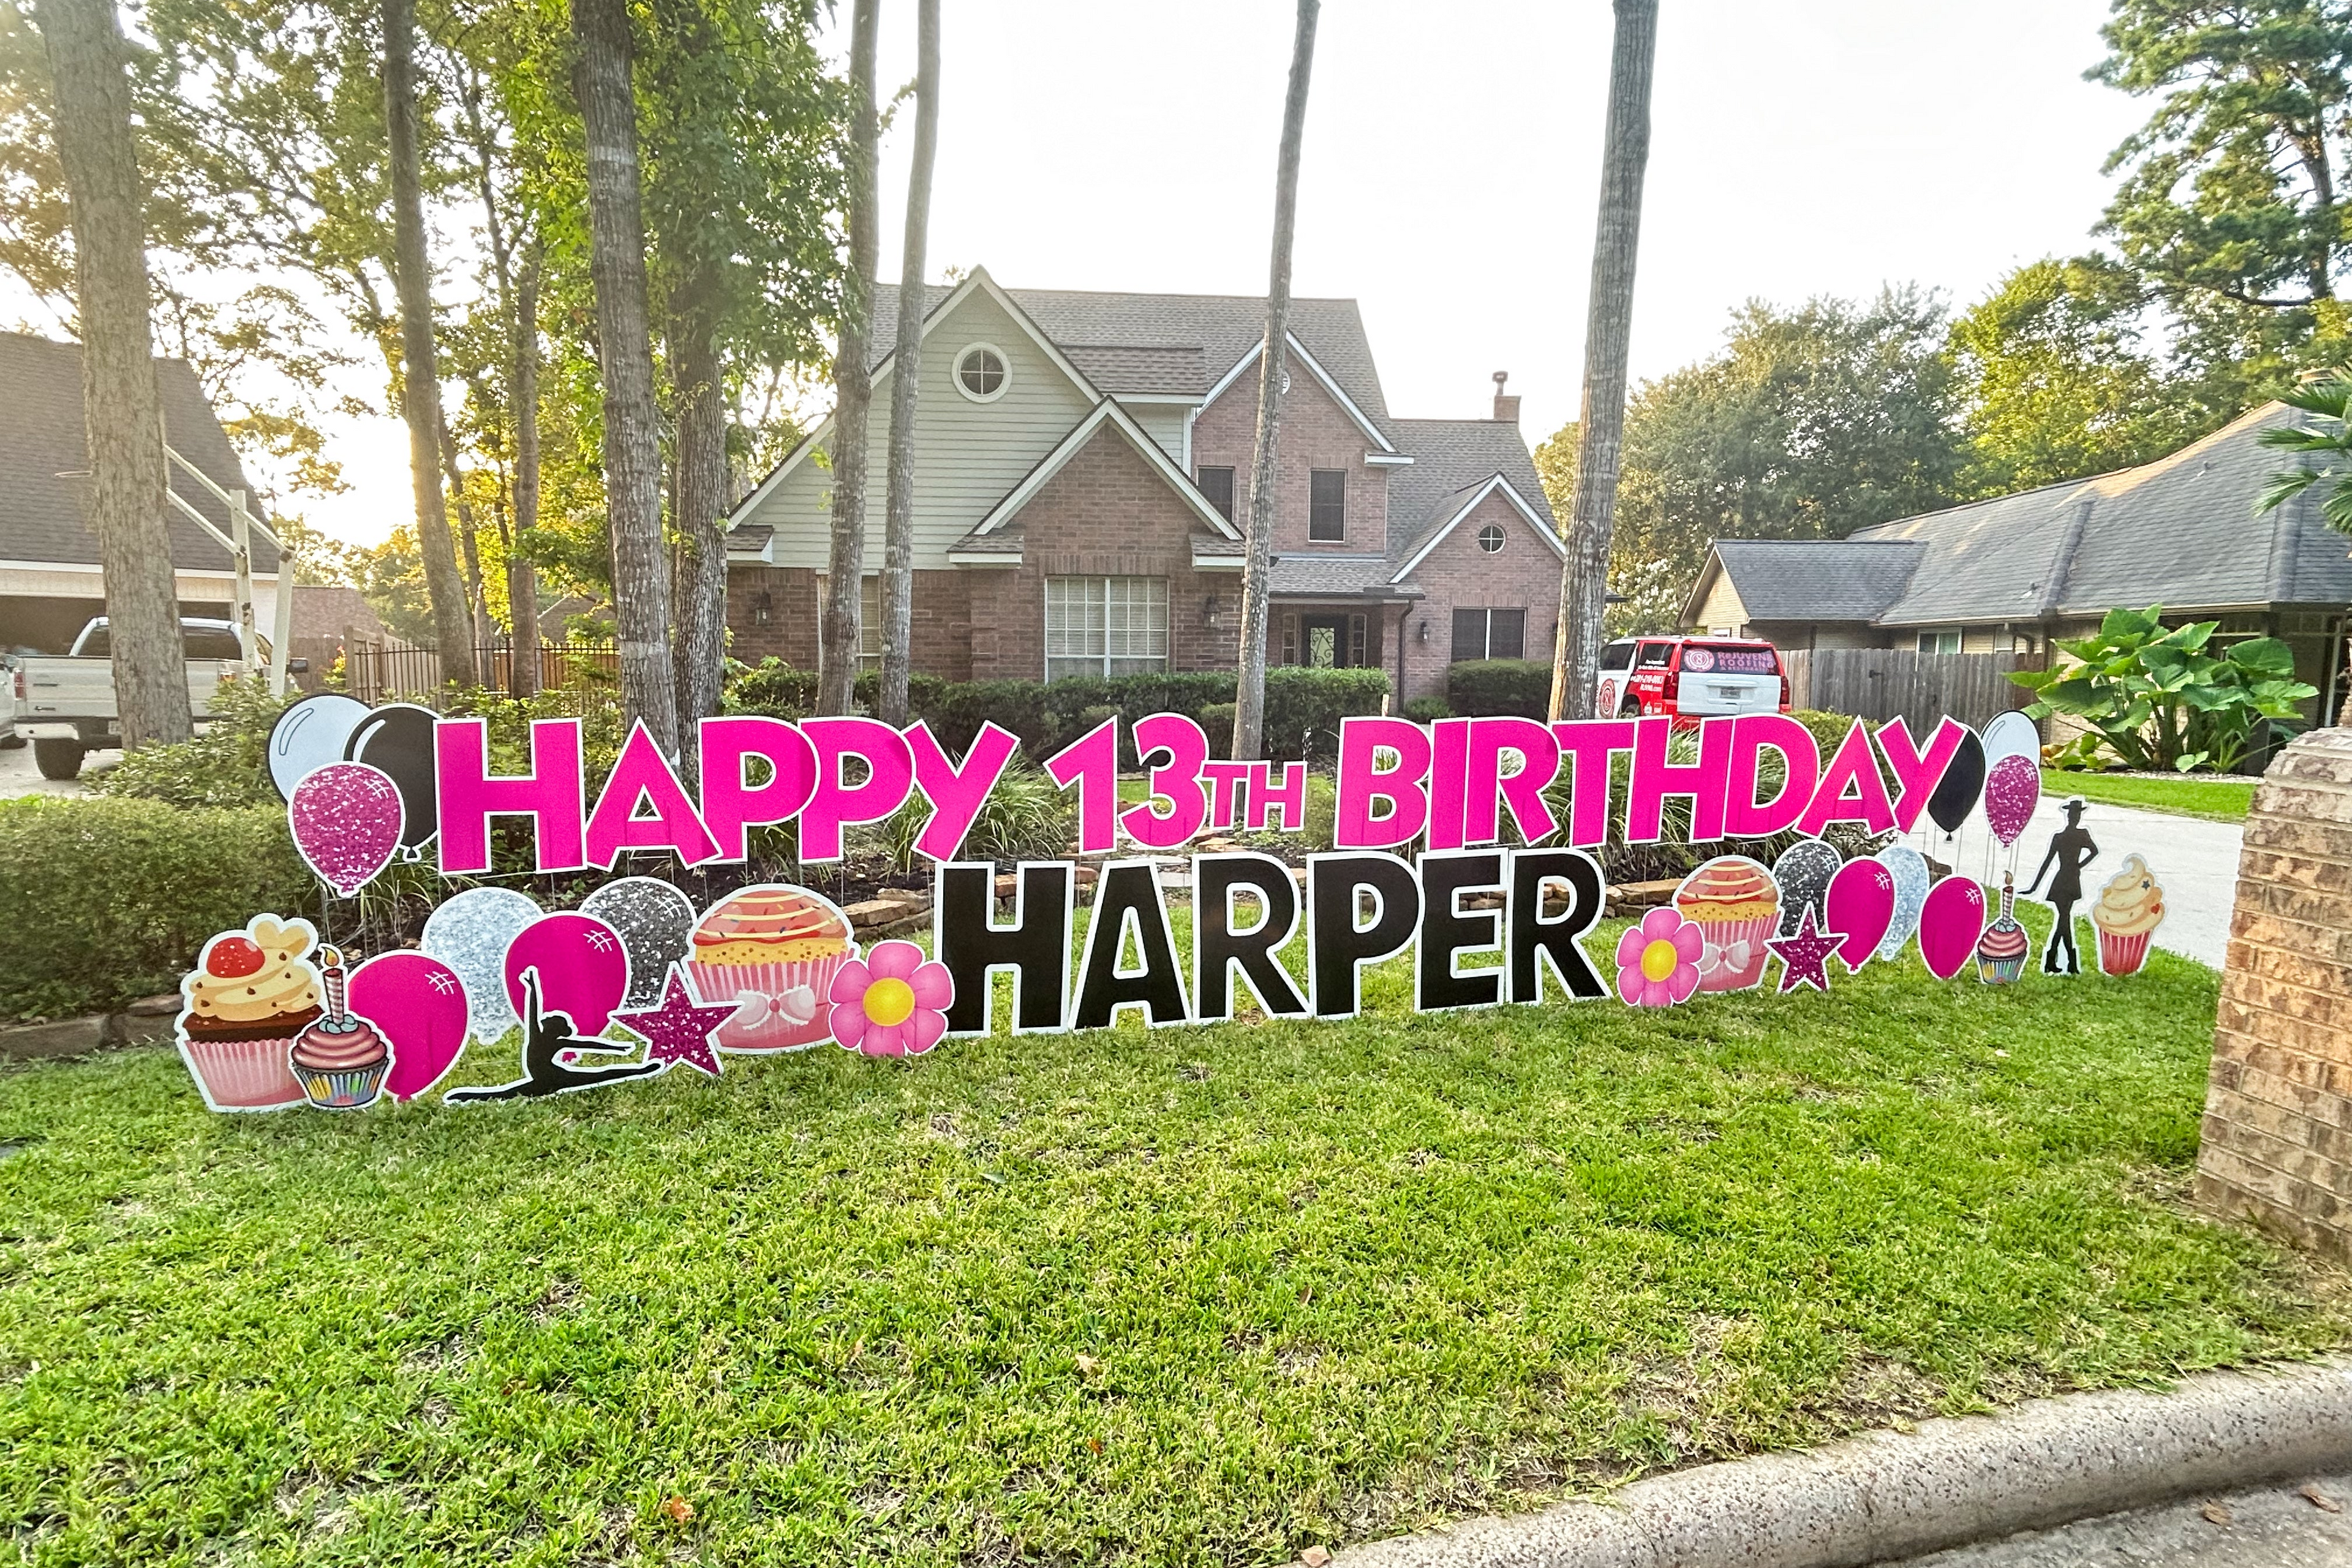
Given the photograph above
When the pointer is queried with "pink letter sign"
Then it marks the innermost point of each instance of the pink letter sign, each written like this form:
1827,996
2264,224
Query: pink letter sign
550,795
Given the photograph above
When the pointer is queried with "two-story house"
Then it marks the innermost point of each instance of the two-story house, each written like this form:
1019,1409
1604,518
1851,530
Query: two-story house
1082,484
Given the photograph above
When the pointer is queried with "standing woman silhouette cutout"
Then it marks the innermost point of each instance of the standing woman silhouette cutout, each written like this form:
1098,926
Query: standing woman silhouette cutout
2070,849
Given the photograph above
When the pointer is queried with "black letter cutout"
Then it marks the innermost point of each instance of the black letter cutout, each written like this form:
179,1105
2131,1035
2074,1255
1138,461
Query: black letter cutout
1036,946
1557,941
1129,887
1445,931
1337,947
1217,947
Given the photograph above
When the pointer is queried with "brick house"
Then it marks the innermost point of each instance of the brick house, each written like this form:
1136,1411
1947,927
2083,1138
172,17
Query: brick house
1082,485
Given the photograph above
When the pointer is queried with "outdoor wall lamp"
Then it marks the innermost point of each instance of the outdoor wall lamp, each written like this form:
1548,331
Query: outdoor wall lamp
761,607
1208,611
1420,628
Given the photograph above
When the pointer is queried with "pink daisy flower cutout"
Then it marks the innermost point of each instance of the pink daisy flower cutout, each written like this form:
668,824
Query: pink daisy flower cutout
891,1003
1657,959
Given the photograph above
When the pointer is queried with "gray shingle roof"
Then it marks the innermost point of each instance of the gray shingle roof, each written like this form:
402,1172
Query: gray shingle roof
1817,579
1221,328
1451,458
1120,368
2181,532
42,440
1331,576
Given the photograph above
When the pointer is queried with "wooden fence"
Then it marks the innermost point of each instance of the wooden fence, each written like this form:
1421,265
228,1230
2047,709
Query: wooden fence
1879,684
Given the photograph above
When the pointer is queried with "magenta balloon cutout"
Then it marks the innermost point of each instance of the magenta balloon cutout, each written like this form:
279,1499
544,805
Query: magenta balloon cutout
418,1004
584,970
2011,791
346,819
1950,923
1860,905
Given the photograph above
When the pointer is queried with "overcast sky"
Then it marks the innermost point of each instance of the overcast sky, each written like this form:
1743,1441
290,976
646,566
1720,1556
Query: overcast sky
1452,167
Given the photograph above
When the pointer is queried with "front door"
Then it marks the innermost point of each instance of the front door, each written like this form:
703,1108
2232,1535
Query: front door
1332,642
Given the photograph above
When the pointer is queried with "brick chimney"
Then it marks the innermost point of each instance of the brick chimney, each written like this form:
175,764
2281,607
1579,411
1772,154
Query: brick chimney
1506,408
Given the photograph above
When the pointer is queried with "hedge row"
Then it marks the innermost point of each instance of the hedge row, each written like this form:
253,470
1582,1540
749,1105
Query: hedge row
1489,688
107,898
1303,706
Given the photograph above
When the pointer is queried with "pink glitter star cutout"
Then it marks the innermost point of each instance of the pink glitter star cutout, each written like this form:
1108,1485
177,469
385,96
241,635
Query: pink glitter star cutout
680,1030
1804,955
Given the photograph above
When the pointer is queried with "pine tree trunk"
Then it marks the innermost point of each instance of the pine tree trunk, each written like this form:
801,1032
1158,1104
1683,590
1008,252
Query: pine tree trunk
121,407
420,379
1608,336
469,543
522,573
1249,697
616,233
853,383
698,514
898,547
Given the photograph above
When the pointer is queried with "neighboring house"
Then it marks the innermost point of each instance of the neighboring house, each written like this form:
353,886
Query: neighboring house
2012,574
50,584
1082,485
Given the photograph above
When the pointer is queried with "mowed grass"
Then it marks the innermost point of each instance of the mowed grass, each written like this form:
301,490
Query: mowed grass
1168,1297
2216,799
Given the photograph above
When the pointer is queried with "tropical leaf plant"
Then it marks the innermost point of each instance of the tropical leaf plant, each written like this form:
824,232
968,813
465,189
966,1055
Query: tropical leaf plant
2166,699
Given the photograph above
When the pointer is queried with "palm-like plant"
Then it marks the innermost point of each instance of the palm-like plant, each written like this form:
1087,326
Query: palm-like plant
2325,450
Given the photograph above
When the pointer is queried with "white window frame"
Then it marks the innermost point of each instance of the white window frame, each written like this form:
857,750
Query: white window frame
1110,600
1494,531
955,372
1937,636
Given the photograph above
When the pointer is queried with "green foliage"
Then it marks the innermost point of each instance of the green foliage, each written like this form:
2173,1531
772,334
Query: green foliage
1026,817
2325,451
1217,724
2055,383
109,899
1481,687
1428,710
225,764
2165,699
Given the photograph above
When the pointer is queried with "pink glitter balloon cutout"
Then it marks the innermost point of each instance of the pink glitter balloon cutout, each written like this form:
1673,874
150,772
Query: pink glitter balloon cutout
346,818
2011,791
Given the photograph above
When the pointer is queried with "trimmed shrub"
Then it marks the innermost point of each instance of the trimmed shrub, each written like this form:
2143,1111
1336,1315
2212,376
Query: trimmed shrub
1490,688
225,764
1217,723
771,688
109,899
1304,707
1427,709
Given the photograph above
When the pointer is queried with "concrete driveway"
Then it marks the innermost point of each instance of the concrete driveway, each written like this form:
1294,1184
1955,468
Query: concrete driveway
2195,860
19,776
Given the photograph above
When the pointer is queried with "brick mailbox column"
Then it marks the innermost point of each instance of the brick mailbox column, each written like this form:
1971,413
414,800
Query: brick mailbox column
2277,1144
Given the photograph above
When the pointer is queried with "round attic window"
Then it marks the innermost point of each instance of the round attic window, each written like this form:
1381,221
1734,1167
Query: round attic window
1490,539
981,373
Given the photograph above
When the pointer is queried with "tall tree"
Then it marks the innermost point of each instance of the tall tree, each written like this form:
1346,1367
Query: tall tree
121,407
1608,338
1274,375
898,537
522,571
853,383
420,376
641,574
2234,187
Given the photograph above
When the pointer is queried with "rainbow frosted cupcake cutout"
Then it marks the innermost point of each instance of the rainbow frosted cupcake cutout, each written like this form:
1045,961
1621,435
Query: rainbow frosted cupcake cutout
2001,950
1736,906
340,1061
774,950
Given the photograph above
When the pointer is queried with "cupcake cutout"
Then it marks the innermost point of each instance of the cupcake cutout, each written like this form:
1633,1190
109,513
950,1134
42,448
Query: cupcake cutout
251,992
2130,908
774,950
1735,905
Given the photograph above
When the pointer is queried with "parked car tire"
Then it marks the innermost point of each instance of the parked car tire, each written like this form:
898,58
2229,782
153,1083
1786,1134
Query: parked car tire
58,758
12,743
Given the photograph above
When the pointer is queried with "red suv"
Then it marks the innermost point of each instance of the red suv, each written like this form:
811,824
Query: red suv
1690,677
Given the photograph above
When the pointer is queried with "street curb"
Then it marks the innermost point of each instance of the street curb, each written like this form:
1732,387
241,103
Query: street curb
1889,1495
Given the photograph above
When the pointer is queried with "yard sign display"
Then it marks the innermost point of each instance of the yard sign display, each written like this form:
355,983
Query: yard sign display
637,981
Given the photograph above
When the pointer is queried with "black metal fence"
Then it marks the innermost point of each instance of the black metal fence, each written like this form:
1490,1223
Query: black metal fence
379,674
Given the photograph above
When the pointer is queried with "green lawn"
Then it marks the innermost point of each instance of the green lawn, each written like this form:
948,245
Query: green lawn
2218,799
1178,1297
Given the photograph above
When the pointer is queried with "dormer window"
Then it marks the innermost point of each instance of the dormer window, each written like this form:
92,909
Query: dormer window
981,373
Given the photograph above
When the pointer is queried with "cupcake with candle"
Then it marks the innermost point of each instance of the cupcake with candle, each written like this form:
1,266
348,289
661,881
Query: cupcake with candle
340,1060
252,991
2001,950
773,951
1736,906
2130,908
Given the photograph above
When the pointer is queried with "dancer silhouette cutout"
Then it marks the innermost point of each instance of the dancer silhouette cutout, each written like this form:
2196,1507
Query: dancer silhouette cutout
2070,849
545,1036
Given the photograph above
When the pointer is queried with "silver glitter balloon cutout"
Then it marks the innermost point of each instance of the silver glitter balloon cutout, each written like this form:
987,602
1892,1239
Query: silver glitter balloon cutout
470,933
656,922
1909,869
1803,871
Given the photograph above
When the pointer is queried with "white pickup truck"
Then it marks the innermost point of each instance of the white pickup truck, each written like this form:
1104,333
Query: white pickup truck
65,702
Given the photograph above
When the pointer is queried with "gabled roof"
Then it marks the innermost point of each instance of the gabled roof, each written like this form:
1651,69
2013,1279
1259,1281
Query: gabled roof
1462,503
42,452
1811,579
1126,370
1223,328
2181,532
1451,458
1106,412
1297,352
